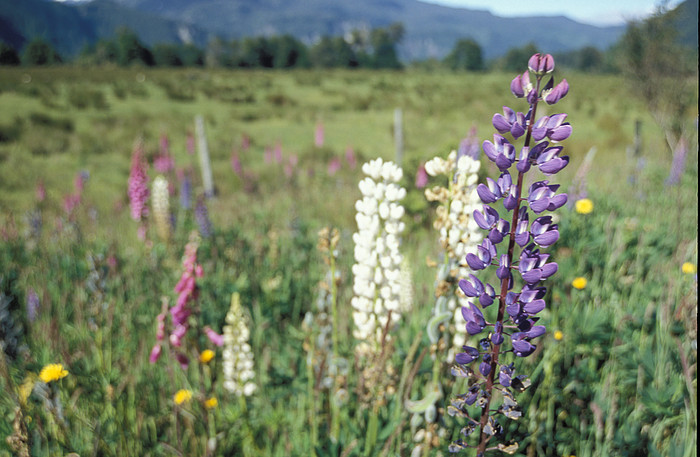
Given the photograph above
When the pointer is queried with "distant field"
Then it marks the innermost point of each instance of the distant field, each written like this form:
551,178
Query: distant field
55,122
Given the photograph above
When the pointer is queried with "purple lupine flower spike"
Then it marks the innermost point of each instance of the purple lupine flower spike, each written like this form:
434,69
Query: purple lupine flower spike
520,297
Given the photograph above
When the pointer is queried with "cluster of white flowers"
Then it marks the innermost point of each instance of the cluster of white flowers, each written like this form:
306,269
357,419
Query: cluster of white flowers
238,355
161,206
377,269
459,233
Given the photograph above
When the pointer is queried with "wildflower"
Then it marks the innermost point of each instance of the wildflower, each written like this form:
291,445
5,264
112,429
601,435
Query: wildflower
182,396
33,305
579,283
138,184
377,268
163,162
161,207
517,306
584,206
187,291
558,335
206,355
211,403
238,355
688,268
52,372
457,221
421,177
334,166
201,215
213,337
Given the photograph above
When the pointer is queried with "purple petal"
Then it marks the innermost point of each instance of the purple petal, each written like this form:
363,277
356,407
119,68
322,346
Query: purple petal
534,306
536,331
468,356
500,123
556,120
547,239
549,269
517,130
485,194
490,150
532,276
557,202
485,368
503,163
560,133
556,94
522,348
471,288
538,206
495,236
516,87
479,217
474,262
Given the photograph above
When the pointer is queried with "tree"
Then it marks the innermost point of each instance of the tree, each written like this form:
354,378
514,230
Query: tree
662,71
8,55
466,55
40,52
384,41
191,55
288,52
167,55
130,50
332,52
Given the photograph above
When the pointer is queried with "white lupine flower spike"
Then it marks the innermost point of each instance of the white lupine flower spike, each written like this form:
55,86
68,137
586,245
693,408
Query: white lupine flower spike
377,269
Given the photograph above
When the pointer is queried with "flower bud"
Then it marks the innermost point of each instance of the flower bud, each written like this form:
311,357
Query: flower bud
541,64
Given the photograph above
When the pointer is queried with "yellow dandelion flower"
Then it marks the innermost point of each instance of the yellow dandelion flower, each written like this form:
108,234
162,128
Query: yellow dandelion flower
211,403
52,372
584,206
579,283
688,268
182,396
558,335
206,356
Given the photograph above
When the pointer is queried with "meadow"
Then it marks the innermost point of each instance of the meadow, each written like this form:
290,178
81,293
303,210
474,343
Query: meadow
614,376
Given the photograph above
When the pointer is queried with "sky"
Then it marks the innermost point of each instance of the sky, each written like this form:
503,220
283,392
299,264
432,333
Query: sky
596,12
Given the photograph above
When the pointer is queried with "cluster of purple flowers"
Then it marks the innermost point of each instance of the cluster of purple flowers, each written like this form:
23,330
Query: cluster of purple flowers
188,292
515,328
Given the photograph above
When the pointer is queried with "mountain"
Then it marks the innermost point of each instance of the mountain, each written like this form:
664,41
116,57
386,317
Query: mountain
70,26
430,30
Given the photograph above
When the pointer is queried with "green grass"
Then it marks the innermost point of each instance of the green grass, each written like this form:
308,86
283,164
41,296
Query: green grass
621,382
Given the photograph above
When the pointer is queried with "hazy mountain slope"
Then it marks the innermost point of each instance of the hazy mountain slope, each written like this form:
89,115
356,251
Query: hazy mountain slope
431,30
70,27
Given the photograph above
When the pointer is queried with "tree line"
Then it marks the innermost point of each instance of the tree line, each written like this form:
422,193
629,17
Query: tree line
375,48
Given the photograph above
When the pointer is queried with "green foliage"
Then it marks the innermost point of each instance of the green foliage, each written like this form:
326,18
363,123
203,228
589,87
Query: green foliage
40,52
466,55
8,55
